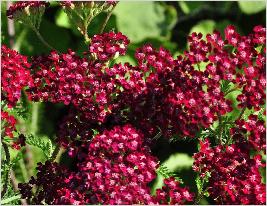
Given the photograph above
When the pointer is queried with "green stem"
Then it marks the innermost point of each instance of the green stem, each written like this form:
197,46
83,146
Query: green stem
7,154
55,153
5,201
34,120
36,193
42,39
199,197
23,170
106,20
242,112
231,90
86,37
220,128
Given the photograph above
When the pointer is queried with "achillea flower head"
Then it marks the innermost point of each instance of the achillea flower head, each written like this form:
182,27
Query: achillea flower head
115,167
172,193
28,12
108,46
15,75
8,125
234,175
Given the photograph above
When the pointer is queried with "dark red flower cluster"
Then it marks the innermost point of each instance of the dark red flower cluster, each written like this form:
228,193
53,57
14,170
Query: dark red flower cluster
92,89
15,75
234,175
108,45
75,130
16,8
174,98
115,168
54,79
55,186
118,167
161,95
240,60
9,124
167,95
253,130
111,85
173,194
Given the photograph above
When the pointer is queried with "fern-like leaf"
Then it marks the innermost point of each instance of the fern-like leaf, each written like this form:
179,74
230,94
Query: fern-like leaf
42,142
166,173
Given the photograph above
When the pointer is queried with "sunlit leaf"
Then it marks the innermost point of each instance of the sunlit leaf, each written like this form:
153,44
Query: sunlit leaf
251,7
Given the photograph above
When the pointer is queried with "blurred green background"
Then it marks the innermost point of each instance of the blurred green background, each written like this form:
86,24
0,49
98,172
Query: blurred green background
160,23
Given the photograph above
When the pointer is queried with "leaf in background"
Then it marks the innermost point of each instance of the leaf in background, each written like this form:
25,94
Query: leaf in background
188,7
14,199
62,19
140,20
54,35
232,96
251,7
208,26
204,27
96,24
174,163
11,197
42,142
125,59
166,173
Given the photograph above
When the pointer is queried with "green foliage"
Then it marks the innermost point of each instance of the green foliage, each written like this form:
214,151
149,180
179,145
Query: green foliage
175,164
11,200
141,20
204,27
23,107
189,7
202,183
251,7
166,173
11,197
208,26
225,86
62,19
43,143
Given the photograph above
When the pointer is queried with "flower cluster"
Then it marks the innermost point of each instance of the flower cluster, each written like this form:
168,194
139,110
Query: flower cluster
115,110
28,12
174,98
15,75
56,186
108,45
244,67
20,7
234,175
81,13
168,95
118,167
88,4
9,123
114,168
173,194
254,130
92,89
73,132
